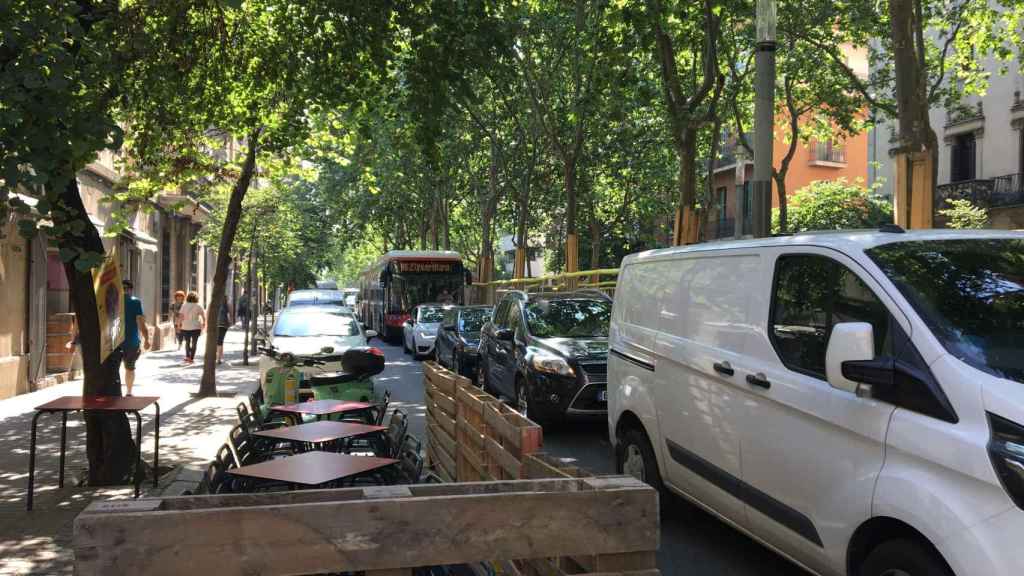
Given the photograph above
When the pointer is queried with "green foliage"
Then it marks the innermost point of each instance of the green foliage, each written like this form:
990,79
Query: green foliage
962,215
835,205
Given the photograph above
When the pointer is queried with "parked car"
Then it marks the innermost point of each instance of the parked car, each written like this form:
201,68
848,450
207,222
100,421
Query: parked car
549,353
316,298
321,331
420,331
459,339
853,400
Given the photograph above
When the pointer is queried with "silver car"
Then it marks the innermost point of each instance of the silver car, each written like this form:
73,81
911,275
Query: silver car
324,331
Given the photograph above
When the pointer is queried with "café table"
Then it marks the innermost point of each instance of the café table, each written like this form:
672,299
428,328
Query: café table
313,468
320,432
321,408
125,404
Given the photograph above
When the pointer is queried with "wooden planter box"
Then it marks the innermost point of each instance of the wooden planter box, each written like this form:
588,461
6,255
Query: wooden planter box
607,525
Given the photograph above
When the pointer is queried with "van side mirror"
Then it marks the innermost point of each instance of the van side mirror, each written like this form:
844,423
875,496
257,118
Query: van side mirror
370,335
849,342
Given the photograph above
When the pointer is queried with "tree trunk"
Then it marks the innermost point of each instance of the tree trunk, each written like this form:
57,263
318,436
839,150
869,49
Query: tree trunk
595,246
109,445
208,385
572,258
916,138
780,186
686,231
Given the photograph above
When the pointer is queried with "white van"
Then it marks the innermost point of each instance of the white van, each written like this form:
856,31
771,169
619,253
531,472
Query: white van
853,400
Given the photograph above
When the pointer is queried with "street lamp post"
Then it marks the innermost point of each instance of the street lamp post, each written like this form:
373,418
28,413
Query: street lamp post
764,119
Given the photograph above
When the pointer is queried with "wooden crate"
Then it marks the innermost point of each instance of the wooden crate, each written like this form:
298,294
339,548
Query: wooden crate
439,391
509,437
612,523
472,433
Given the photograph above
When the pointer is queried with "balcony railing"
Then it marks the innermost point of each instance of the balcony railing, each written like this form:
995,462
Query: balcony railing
979,192
827,152
1007,190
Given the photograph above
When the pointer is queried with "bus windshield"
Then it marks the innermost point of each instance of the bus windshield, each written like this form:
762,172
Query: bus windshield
411,290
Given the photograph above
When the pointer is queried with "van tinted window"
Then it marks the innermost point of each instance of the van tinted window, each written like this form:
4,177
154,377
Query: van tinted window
811,294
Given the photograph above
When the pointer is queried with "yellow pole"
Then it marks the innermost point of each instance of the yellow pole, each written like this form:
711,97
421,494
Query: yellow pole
572,258
914,190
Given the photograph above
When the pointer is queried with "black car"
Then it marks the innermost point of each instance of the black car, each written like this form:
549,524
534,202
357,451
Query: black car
549,353
459,337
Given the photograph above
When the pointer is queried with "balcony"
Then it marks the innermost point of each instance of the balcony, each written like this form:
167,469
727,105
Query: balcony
828,154
988,193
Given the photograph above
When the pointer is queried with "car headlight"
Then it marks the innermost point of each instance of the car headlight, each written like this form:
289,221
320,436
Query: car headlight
551,364
427,336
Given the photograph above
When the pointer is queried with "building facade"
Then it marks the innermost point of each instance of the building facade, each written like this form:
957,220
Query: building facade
158,251
981,151
506,260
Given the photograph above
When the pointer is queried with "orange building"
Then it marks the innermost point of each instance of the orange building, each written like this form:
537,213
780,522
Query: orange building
733,172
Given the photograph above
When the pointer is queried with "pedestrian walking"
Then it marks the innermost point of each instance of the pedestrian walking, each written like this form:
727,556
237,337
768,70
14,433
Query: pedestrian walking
223,325
193,321
134,326
243,309
179,300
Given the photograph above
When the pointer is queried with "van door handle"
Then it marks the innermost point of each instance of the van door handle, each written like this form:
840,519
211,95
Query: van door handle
758,380
724,368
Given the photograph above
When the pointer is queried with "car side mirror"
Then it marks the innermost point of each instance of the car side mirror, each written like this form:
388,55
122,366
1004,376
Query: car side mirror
411,322
505,334
849,342
370,335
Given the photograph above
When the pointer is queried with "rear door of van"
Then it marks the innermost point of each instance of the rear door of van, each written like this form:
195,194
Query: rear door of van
704,326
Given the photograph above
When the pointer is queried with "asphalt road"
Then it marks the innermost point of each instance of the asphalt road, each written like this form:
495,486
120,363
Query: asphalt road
693,543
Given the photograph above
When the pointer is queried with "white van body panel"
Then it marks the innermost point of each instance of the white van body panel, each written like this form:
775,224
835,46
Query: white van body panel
705,322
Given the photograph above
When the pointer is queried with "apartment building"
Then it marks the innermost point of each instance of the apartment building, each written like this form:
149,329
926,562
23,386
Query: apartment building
981,151
159,252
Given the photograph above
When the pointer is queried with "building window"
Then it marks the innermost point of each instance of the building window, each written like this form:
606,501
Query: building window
834,152
723,196
962,158
748,208
193,282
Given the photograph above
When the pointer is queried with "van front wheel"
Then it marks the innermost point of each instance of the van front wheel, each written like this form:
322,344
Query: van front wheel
904,558
636,458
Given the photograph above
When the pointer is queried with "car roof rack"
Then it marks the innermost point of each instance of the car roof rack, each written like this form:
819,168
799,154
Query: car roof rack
579,293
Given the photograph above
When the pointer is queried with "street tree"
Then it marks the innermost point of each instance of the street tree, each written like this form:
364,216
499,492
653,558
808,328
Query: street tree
276,65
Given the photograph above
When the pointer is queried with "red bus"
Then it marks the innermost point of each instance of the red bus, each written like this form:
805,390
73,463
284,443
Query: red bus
401,280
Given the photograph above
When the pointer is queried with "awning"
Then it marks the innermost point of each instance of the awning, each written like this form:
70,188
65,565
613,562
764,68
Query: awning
184,206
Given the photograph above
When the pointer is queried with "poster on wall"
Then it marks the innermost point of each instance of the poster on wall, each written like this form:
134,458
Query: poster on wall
109,304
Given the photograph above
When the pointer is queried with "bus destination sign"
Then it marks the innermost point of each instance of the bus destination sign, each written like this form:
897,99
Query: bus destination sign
417,267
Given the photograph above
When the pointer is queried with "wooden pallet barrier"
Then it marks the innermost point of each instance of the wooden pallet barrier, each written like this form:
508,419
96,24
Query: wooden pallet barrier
612,522
442,449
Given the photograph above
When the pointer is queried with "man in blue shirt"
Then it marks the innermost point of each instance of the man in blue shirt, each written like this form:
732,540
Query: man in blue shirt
135,324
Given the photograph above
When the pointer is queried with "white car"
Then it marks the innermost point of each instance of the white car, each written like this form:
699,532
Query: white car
322,331
853,400
420,331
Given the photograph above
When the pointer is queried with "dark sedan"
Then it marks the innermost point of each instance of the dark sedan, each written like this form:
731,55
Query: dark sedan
459,337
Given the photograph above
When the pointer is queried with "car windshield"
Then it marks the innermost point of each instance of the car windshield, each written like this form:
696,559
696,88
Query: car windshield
316,298
473,319
568,318
316,324
431,314
969,292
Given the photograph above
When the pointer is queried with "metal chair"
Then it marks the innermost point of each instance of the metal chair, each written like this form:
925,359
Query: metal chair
384,445
410,460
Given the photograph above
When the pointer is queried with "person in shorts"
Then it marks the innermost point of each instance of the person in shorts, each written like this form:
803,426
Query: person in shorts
134,326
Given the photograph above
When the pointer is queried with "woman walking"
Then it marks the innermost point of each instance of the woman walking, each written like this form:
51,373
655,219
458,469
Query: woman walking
179,300
193,321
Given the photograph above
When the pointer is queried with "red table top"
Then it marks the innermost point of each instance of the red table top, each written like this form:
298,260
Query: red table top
111,403
322,431
312,468
321,407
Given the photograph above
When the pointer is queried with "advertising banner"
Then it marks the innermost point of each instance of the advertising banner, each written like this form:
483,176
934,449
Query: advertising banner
109,304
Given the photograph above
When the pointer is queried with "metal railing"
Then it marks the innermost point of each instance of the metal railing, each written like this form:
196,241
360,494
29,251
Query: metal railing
1007,190
826,152
979,192
485,292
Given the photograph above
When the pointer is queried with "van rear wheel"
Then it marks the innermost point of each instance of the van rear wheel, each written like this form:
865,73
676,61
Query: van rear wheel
904,558
635,457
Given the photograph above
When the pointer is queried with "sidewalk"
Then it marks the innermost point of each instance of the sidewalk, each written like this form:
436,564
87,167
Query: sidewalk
191,431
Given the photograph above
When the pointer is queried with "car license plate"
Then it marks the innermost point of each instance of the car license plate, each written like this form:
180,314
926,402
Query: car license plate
602,396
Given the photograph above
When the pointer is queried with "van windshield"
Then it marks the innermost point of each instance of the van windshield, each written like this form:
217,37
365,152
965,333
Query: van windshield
969,292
